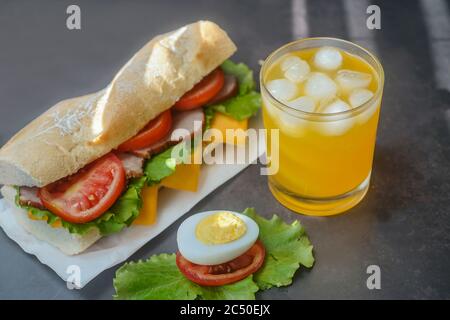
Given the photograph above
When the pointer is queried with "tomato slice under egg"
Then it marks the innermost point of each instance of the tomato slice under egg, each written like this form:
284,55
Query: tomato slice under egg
225,273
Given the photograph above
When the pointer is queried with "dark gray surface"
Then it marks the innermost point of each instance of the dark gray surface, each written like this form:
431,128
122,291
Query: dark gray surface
403,224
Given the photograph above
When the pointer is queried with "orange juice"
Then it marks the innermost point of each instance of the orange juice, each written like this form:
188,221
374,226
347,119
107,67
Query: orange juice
325,157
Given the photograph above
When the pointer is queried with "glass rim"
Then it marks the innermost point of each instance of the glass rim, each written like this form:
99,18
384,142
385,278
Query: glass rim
353,111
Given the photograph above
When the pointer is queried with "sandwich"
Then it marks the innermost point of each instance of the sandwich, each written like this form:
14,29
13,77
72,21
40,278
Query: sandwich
91,166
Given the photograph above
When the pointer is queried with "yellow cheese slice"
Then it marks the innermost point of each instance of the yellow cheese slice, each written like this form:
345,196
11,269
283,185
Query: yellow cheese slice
56,224
223,122
147,215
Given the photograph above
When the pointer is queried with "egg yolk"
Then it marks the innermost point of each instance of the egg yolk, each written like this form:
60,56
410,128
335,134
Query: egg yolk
220,227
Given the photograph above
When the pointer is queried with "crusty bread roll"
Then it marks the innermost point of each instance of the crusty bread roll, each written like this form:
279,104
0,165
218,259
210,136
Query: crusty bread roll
77,131
60,238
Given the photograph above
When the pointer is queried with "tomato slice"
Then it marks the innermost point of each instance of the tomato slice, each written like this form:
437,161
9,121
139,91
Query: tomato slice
87,194
202,92
225,273
154,131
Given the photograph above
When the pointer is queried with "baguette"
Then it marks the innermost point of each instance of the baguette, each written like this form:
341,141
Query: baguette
77,131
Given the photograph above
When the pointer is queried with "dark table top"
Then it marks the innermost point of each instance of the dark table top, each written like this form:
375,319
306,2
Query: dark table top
403,224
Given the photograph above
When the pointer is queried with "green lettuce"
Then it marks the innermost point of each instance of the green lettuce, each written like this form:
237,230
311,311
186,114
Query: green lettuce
241,290
209,116
246,103
164,164
158,278
287,248
243,73
240,107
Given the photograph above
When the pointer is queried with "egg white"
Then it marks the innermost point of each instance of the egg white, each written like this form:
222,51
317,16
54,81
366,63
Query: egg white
210,254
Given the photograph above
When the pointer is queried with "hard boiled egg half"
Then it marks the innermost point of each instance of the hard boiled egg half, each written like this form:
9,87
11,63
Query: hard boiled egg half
215,237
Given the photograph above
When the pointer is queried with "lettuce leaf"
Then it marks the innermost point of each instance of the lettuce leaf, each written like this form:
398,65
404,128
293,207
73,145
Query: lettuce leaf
287,247
241,290
240,107
243,73
209,116
158,278
164,164
246,103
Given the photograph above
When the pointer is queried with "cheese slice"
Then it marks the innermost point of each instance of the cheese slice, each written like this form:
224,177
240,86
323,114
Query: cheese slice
223,122
147,215
186,176
56,224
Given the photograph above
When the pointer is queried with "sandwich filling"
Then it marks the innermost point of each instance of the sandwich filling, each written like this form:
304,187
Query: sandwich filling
106,194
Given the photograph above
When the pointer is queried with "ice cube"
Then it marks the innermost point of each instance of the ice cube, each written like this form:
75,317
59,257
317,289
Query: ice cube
337,105
305,104
359,96
289,61
349,79
328,58
292,125
367,114
298,71
287,123
282,89
320,86
338,126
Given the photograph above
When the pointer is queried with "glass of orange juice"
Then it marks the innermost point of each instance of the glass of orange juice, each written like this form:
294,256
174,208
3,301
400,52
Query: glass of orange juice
324,96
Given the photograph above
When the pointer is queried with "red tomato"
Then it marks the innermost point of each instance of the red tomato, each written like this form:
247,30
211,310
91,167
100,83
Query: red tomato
224,273
154,131
87,194
202,92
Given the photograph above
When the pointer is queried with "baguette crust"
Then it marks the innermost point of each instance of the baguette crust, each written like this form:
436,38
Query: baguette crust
77,131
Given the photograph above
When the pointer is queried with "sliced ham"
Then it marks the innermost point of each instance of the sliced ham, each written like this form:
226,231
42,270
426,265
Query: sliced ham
230,89
188,120
132,164
154,148
28,196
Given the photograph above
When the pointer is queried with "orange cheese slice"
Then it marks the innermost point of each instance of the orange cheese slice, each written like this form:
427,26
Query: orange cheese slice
222,122
184,178
147,215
